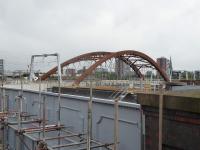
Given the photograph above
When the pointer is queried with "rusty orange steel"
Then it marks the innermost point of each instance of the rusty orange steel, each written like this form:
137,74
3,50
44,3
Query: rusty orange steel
101,57
117,55
88,56
83,57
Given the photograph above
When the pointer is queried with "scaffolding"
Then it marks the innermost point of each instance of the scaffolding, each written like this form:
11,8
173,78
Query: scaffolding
30,126
47,136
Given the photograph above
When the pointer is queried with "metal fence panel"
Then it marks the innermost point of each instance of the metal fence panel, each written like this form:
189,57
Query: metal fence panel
74,116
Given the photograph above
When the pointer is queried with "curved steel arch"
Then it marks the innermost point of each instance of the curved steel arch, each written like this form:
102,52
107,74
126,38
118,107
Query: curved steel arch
87,56
117,55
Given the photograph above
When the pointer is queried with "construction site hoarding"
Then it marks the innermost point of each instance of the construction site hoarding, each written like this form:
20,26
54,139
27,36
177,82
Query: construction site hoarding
74,114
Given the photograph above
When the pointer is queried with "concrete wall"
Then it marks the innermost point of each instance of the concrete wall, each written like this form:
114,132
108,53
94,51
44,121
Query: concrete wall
181,130
181,122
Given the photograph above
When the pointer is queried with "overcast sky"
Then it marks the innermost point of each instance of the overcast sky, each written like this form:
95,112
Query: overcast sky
72,27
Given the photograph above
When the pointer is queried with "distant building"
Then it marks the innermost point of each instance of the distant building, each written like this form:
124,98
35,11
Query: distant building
166,65
1,67
101,70
16,73
70,72
186,75
197,74
176,74
163,63
81,70
121,68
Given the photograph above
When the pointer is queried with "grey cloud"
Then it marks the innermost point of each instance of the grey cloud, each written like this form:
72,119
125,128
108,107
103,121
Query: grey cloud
159,28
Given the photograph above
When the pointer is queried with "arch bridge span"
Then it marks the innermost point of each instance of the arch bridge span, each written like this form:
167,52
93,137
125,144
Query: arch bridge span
135,59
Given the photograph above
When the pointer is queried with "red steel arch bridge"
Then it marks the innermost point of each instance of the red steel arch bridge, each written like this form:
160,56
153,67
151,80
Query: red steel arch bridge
138,62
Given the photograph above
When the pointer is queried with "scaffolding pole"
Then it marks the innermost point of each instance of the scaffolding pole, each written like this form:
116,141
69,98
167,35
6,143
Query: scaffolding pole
31,76
2,97
3,136
18,99
59,97
116,123
2,108
39,103
44,117
160,117
89,128
40,98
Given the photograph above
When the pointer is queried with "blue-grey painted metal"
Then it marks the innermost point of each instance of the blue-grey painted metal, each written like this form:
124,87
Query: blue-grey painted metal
74,117
25,142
